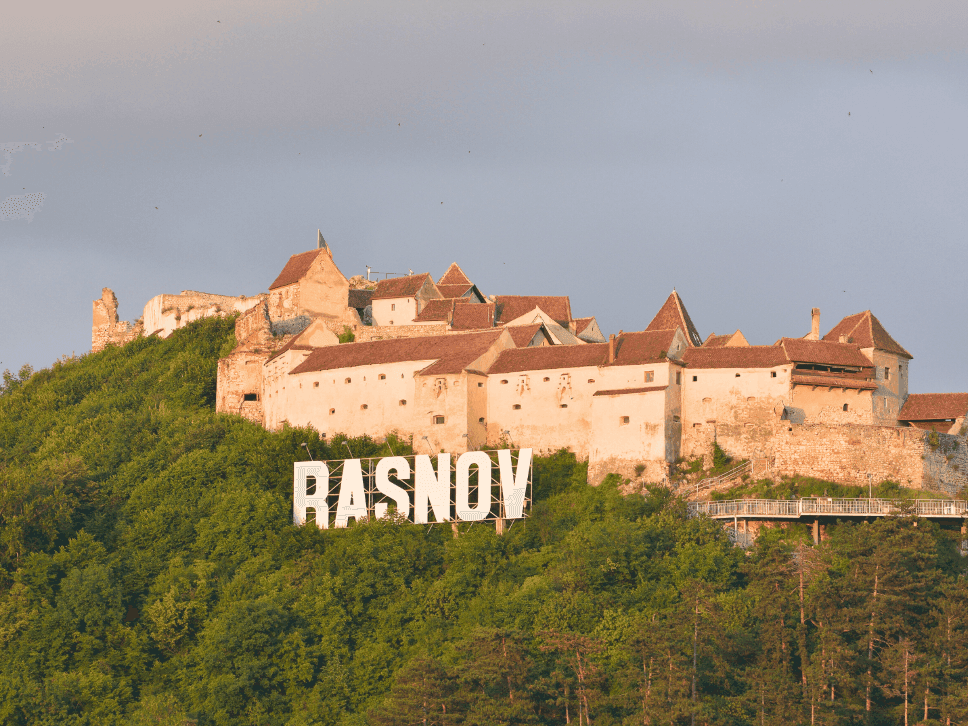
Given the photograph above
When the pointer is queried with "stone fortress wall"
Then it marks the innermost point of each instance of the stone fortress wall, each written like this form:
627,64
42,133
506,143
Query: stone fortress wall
843,430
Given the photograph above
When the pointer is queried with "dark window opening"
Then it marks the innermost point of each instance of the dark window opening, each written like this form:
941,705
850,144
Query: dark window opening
516,406
250,397
438,419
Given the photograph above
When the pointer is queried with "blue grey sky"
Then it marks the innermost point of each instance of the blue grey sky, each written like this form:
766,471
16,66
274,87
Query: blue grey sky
761,158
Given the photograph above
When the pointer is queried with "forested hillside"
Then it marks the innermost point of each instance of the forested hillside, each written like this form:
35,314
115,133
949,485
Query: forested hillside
150,574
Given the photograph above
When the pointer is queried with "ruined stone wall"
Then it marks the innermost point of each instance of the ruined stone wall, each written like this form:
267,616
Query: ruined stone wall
848,453
239,375
106,329
167,313
383,332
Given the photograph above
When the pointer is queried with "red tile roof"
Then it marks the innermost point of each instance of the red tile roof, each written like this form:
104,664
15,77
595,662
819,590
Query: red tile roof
401,286
643,347
582,323
476,316
295,269
623,391
934,406
833,382
452,351
435,311
454,290
555,356
823,352
512,307
717,341
866,331
754,356
454,276
522,335
673,314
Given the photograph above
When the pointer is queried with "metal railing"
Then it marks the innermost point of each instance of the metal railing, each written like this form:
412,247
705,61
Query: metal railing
827,506
731,474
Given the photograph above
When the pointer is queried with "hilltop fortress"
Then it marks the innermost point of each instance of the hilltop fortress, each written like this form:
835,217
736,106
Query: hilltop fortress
457,370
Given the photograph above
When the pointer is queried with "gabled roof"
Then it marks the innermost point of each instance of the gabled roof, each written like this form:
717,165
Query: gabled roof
475,316
454,276
722,341
866,331
511,307
673,314
448,353
934,407
459,290
582,323
753,356
824,352
522,335
359,299
401,286
587,330
630,349
295,269
439,310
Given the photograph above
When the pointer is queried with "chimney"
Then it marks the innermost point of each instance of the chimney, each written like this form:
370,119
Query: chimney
611,348
815,324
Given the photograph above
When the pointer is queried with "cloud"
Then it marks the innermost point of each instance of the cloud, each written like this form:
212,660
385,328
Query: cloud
22,206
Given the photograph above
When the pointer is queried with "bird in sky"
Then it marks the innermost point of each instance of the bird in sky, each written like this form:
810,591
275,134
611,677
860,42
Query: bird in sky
199,136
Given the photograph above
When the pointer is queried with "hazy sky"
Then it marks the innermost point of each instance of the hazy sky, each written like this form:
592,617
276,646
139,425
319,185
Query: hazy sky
761,158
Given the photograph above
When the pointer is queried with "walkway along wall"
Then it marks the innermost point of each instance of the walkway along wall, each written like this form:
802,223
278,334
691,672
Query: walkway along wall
848,453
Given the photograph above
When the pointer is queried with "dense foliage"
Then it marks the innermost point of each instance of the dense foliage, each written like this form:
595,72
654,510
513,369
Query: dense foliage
149,574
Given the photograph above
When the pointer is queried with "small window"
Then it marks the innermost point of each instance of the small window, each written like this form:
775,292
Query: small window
503,381
393,306
750,399
675,418
887,373
383,376
697,426
480,385
772,374
707,400
315,384
737,375
403,402
546,379
332,411
591,380
250,397
480,420
438,419
564,405
678,378
623,420
391,322
516,407
364,407
649,376
695,378
846,407
348,380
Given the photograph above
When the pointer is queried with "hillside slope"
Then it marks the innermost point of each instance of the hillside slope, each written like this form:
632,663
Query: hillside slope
151,575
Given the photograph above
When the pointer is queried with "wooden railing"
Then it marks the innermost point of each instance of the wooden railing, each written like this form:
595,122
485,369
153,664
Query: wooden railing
827,507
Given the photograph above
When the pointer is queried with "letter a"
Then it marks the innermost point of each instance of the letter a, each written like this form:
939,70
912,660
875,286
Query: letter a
352,495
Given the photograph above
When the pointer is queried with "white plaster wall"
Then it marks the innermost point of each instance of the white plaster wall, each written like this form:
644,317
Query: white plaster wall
394,311
178,315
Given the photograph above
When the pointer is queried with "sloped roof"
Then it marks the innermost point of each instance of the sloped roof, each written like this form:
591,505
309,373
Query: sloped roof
453,351
295,269
582,323
673,314
824,352
454,290
477,316
866,331
625,391
934,406
721,341
754,356
401,286
454,276
435,311
511,307
833,382
647,346
359,299
522,335
554,356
